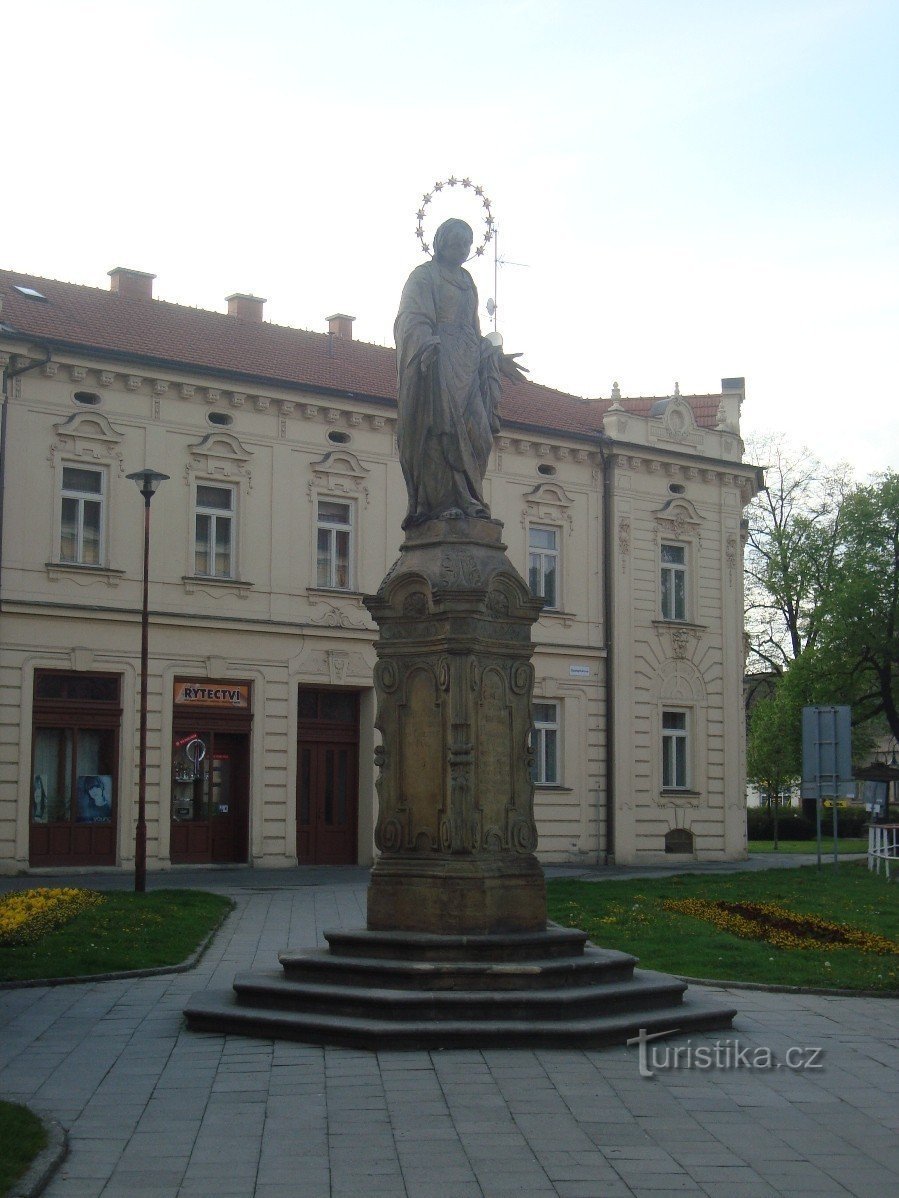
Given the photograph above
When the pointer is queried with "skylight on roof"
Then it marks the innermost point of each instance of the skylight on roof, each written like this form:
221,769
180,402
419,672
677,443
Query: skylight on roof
30,293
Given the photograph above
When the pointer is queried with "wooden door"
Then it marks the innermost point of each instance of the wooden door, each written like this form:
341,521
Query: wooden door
327,779
210,799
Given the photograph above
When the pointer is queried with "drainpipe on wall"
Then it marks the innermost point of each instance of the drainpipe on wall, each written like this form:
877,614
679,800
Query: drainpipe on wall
604,443
12,372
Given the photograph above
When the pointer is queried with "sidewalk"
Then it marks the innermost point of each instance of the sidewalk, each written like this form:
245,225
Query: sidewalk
153,1110
226,879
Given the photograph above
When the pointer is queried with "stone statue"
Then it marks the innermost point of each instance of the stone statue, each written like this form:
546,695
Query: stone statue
449,384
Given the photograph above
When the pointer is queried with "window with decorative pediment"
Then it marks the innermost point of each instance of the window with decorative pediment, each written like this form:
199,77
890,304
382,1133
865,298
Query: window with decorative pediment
220,478
338,493
678,535
680,730
546,518
86,461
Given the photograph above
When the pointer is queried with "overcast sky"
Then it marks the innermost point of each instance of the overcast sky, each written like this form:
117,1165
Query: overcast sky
697,189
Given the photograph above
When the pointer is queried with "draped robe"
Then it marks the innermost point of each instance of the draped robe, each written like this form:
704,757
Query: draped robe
447,413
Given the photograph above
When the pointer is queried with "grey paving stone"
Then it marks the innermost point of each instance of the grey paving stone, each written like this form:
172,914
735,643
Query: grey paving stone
146,1100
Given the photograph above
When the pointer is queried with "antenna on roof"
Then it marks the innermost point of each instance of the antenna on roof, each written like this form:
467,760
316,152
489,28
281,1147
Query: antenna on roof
492,303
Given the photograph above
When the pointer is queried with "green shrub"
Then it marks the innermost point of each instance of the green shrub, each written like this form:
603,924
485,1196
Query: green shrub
793,825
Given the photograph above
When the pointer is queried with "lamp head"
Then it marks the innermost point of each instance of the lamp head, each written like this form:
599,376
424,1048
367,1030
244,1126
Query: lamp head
147,481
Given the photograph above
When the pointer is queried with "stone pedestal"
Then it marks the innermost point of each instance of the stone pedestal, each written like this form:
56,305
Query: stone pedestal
454,683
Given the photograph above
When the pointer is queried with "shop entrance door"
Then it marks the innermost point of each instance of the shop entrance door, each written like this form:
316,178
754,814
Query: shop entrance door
327,778
209,797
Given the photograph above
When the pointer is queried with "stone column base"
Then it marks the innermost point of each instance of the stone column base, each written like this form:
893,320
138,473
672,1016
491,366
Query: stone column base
457,896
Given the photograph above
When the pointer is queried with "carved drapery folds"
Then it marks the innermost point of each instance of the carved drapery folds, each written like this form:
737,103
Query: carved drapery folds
454,683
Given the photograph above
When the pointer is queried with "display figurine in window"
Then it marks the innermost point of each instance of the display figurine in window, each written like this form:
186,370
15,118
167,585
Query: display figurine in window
94,799
40,800
448,384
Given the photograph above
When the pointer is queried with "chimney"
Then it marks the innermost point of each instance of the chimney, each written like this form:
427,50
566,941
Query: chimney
340,325
247,307
135,284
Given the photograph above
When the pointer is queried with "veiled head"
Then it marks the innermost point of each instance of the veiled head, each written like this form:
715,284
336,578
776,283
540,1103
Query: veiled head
453,241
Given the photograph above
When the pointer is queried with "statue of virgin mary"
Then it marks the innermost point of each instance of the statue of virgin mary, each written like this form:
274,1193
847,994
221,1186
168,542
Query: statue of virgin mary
448,385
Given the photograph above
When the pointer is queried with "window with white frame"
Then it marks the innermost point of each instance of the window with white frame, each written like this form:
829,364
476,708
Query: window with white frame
334,544
675,775
82,516
543,563
214,525
674,582
545,744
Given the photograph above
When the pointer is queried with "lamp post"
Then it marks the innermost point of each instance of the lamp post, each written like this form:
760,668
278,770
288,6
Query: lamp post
147,483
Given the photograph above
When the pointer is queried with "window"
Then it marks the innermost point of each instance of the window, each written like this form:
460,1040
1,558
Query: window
335,527
674,582
74,769
546,744
81,526
674,750
543,563
214,531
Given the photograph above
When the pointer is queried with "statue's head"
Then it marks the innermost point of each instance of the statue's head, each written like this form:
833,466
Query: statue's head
453,241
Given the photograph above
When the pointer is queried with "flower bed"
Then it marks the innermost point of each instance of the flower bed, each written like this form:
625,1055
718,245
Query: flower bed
27,915
779,926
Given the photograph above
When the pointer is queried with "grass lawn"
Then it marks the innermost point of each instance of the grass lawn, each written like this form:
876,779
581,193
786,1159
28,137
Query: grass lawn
126,931
629,916
22,1136
848,844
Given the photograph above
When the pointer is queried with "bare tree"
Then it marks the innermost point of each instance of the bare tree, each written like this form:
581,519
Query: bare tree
793,536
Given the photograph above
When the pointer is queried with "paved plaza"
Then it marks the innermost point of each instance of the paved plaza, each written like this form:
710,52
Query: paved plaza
153,1110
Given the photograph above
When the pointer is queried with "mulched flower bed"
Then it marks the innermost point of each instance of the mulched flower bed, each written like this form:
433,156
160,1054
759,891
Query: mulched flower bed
779,926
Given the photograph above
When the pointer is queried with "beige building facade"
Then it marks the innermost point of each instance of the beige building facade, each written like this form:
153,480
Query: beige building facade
282,509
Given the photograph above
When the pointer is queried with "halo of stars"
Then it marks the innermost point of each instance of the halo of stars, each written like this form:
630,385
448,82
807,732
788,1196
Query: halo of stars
478,192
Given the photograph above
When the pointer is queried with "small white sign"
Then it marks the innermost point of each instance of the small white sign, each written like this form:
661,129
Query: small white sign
579,671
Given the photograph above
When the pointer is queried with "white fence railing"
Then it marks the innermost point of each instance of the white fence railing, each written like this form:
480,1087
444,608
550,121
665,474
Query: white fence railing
883,847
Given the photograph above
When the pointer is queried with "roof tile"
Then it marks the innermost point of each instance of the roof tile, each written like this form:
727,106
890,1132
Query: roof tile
193,338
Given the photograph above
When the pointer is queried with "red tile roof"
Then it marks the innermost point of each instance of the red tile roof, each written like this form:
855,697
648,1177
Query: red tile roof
117,327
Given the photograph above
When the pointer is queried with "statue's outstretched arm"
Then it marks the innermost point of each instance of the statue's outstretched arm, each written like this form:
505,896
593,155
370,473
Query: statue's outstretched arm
511,369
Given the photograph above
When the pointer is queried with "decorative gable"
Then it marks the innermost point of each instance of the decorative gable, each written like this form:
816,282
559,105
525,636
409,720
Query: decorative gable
550,503
220,455
673,420
679,518
339,472
89,436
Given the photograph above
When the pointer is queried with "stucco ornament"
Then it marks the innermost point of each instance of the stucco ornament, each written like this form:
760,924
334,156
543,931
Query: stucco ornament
449,381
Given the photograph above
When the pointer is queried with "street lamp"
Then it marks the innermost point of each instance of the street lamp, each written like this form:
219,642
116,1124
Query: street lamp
147,483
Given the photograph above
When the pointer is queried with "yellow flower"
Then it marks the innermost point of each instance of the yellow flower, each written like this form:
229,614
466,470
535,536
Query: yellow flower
27,915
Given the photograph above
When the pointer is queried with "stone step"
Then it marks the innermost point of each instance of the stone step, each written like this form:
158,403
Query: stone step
429,946
219,1011
644,991
594,965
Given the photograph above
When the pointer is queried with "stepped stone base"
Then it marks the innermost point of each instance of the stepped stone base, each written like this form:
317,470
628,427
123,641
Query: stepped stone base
392,989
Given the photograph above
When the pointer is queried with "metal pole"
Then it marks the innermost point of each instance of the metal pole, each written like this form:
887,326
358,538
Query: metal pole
140,844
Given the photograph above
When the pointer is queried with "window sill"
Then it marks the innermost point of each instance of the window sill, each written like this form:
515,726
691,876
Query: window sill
194,582
347,591
554,786
662,623
686,796
81,573
566,618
